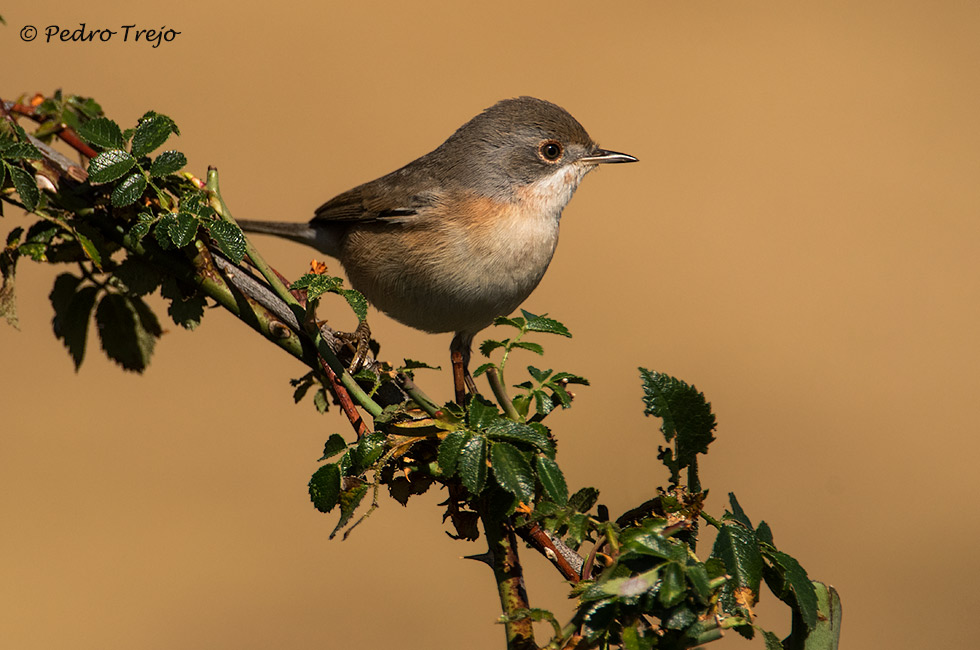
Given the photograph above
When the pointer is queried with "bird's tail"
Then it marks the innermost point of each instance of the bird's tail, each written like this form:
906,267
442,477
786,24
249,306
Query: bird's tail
321,239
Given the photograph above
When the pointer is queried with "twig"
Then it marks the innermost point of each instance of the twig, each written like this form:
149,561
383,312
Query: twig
568,562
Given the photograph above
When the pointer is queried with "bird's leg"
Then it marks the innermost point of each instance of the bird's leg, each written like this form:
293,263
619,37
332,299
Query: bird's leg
459,351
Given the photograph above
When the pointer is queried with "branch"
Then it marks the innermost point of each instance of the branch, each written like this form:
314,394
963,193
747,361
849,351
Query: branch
510,581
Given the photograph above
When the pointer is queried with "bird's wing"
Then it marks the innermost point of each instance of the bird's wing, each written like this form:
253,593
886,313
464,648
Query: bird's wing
375,201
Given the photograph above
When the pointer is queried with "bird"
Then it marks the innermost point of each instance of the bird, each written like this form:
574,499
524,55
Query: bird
463,234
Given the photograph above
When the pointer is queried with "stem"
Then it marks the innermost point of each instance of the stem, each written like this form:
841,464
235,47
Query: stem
348,382
413,391
510,580
501,394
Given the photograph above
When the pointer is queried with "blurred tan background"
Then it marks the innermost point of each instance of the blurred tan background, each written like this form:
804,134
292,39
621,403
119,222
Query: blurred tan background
800,240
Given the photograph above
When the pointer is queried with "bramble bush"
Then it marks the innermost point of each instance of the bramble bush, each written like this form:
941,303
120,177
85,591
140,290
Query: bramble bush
129,221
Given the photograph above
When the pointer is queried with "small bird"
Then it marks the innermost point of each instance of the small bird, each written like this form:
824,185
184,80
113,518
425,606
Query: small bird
463,234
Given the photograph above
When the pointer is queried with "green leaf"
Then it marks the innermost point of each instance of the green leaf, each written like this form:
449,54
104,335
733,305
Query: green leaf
512,471
412,364
167,162
357,302
543,324
489,346
334,445
128,330
182,228
697,574
90,249
772,641
102,132
504,429
349,500
129,190
229,239
685,413
152,132
472,465
481,413
738,514
369,449
21,151
325,487
673,587
738,548
449,451
650,543
826,634
483,368
584,499
109,166
316,284
795,578
527,345
632,586
25,185
552,480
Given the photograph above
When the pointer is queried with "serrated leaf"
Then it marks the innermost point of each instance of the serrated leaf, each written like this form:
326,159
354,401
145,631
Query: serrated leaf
334,445
482,369
512,471
357,302
412,364
182,229
102,132
764,534
90,249
26,187
481,413
229,239
504,429
109,166
517,321
349,500
316,284
673,587
686,415
650,544
449,451
772,641
369,449
150,134
738,514
584,499
552,480
139,230
527,345
129,190
697,575
472,465
128,330
536,323
738,548
21,151
795,578
489,346
324,487
167,162
542,402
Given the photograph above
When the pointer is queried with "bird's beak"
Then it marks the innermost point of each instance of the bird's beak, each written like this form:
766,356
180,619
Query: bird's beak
602,156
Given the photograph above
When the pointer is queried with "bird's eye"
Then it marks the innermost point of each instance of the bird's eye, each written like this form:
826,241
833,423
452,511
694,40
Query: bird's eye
550,150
